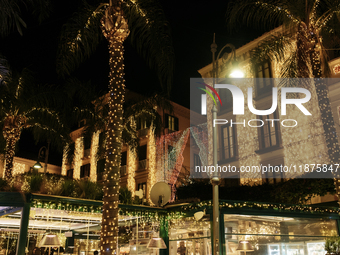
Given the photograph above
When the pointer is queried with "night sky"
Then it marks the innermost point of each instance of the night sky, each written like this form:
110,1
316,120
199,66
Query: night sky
193,24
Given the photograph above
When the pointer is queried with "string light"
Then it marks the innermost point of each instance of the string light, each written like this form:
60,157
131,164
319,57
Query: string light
152,168
132,167
78,156
64,163
93,156
13,126
115,29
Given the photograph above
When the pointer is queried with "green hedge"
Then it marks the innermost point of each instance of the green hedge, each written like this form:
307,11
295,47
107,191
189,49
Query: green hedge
294,191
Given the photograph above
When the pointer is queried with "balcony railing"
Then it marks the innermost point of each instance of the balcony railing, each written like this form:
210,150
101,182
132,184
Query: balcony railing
143,132
123,170
87,153
142,164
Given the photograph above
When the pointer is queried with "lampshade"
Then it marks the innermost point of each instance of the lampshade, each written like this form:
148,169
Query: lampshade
37,165
244,246
156,243
236,71
49,240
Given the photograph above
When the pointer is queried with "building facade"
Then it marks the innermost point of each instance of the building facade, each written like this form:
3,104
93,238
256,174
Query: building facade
159,158
270,143
23,165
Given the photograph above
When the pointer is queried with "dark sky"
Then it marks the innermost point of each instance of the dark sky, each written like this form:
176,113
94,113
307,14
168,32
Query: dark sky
193,24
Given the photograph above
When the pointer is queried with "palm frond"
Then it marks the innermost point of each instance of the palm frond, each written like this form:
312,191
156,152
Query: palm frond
328,10
324,62
2,143
41,9
69,152
150,34
289,67
275,48
11,17
261,13
79,38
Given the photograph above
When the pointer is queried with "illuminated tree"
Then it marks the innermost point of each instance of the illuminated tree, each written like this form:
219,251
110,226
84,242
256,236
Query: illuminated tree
25,105
299,46
144,22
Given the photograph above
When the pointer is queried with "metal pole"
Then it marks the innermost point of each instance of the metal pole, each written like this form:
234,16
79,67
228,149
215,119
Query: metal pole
46,156
23,229
215,180
61,222
137,235
88,236
9,237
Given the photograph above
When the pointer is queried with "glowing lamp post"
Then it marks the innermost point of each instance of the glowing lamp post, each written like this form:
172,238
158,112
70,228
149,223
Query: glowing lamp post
44,155
235,73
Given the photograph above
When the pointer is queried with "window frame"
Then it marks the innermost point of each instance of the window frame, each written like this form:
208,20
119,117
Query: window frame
267,84
274,178
173,121
85,171
227,99
70,171
197,159
234,145
262,135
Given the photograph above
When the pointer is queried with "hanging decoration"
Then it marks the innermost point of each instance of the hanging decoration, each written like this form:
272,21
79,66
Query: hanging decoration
169,157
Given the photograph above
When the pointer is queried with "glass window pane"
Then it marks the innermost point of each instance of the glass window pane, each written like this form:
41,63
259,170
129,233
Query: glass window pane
266,136
266,73
272,235
273,138
231,144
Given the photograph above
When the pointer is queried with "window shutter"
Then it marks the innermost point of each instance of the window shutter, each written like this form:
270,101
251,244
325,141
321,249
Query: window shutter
166,121
176,124
123,158
100,166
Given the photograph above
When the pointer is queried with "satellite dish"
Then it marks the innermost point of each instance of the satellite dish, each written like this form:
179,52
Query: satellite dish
198,215
160,193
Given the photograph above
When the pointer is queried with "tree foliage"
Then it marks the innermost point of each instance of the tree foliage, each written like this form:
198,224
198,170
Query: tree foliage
294,191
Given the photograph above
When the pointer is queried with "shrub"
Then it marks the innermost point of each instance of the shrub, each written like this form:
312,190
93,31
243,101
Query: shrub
35,181
3,184
68,188
125,195
88,189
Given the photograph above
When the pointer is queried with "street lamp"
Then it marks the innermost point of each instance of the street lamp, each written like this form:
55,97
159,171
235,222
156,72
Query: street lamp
235,73
43,153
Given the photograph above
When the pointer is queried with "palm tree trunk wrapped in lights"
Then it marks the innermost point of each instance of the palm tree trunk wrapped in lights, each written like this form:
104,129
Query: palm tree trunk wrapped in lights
149,32
24,104
11,132
115,30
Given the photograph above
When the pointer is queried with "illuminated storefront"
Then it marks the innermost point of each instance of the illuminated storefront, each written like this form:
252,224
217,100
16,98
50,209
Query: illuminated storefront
270,229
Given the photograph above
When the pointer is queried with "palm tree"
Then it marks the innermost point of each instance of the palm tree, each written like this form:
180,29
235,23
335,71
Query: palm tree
305,23
26,105
144,21
144,108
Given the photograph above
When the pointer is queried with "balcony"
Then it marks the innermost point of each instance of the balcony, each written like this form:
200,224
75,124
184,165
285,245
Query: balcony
87,153
143,132
143,164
